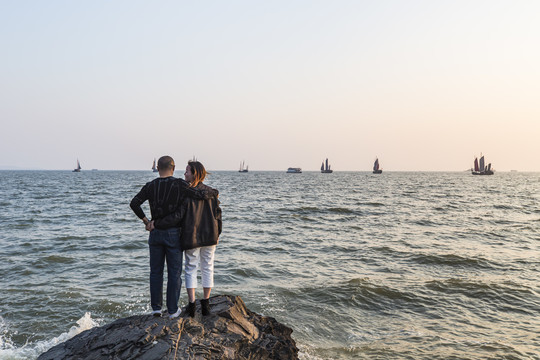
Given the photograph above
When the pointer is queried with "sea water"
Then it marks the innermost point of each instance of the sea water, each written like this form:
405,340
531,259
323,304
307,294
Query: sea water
402,265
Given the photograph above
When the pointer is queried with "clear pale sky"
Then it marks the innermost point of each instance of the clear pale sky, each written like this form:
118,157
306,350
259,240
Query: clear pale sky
423,85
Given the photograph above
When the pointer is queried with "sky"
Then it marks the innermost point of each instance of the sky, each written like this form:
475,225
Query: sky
422,85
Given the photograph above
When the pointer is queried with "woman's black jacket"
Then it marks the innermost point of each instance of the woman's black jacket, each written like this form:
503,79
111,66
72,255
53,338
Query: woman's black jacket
199,219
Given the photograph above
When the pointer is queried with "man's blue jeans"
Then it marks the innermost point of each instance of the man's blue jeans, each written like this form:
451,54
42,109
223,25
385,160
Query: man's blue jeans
165,245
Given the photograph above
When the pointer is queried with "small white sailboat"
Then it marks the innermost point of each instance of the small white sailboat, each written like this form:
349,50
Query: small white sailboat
78,168
326,169
243,168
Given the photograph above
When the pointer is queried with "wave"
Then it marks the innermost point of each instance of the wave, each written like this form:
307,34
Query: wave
340,210
363,293
21,225
503,207
10,350
300,210
383,297
305,210
58,259
71,237
374,204
130,245
303,218
504,297
452,260
426,222
406,344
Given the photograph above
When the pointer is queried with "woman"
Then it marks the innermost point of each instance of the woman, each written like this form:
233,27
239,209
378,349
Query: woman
200,220
199,236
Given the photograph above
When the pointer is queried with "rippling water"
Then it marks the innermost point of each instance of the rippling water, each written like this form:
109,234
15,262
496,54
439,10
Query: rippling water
392,266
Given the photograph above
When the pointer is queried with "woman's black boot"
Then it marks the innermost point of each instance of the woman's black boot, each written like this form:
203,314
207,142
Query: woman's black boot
191,309
205,307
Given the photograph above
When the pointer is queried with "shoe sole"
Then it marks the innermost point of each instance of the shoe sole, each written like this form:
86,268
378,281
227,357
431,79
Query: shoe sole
175,315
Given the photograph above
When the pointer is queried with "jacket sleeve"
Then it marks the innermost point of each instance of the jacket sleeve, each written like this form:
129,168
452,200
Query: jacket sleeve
137,201
172,220
218,216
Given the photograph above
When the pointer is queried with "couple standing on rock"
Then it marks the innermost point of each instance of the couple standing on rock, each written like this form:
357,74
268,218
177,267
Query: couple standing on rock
186,217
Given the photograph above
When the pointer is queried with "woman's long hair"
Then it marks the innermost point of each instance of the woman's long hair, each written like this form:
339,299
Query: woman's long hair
198,171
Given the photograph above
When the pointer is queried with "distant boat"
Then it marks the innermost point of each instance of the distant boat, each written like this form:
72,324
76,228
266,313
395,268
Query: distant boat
78,168
376,169
154,168
243,168
480,168
326,169
294,170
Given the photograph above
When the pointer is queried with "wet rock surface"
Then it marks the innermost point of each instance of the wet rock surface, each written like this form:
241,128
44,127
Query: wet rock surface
231,331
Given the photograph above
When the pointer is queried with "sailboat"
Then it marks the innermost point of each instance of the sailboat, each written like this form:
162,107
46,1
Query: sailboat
376,169
326,169
480,168
154,168
243,168
78,168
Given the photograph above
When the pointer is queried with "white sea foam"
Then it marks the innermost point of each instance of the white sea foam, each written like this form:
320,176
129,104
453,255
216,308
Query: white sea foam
306,353
10,351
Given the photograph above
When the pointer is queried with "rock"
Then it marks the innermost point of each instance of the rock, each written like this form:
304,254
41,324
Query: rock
231,331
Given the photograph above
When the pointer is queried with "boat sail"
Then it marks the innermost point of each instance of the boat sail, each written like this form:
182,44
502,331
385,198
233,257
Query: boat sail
243,168
376,169
480,168
326,169
78,168
154,168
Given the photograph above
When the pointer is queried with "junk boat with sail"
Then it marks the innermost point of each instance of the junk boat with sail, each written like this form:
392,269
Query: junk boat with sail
154,168
243,168
78,168
480,168
325,169
376,169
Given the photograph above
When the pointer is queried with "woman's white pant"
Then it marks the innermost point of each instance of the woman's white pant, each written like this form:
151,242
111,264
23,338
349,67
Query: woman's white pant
205,256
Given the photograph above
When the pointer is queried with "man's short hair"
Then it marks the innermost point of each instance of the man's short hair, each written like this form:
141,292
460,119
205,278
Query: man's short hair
165,163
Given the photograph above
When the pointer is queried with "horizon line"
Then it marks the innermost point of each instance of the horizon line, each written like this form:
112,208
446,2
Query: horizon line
230,170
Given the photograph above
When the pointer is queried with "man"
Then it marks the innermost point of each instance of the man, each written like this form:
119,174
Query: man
164,194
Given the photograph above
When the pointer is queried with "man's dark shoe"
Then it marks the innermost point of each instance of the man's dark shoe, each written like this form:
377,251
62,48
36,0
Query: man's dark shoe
191,309
205,307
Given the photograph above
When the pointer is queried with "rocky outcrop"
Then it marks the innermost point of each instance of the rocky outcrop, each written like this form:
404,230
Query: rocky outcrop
231,331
